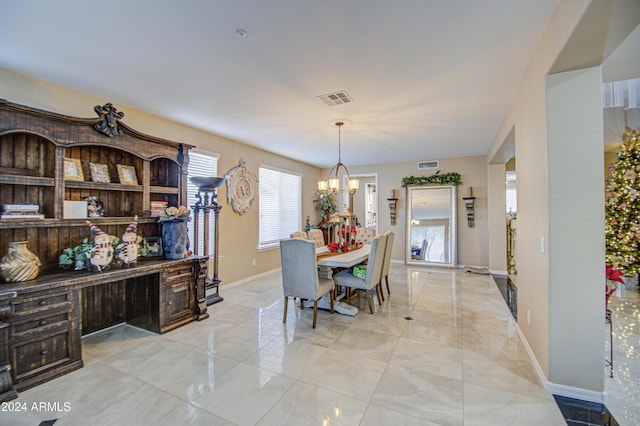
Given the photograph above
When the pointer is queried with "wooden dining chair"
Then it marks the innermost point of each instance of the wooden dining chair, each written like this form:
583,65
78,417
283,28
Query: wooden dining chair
374,270
387,260
300,275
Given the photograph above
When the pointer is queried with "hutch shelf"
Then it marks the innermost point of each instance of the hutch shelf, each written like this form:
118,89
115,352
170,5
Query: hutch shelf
42,321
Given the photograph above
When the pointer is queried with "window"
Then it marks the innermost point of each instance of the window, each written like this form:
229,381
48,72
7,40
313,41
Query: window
200,164
279,205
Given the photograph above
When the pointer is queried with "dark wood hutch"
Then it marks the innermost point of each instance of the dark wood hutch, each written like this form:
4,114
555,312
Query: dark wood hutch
42,321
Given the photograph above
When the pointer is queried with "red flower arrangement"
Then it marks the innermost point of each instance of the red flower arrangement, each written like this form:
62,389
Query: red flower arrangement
333,247
613,276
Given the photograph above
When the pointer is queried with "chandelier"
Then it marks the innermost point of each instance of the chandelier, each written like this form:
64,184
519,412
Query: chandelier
332,184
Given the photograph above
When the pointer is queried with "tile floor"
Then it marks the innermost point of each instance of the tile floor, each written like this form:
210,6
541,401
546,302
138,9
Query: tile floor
457,361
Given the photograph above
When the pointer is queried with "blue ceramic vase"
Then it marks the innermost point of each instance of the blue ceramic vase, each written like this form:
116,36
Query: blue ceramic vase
174,239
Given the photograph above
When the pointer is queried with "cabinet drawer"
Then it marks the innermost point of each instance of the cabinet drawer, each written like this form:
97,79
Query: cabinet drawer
33,356
40,324
179,268
41,302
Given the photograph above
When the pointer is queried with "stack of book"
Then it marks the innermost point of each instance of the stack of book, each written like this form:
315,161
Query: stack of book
157,207
21,211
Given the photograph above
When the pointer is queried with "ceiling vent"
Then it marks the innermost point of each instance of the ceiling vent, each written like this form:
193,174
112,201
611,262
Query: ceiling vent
427,165
336,98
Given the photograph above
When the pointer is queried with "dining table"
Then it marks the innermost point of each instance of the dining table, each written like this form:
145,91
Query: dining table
329,263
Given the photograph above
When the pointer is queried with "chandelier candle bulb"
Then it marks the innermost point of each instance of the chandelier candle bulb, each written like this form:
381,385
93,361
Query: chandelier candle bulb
470,191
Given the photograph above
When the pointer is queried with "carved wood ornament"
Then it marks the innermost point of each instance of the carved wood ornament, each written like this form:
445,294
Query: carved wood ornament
110,117
242,185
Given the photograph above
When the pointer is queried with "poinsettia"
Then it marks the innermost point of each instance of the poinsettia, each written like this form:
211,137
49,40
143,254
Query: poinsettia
614,274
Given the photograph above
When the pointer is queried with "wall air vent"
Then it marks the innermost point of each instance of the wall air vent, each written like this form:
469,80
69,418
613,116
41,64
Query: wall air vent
427,165
336,98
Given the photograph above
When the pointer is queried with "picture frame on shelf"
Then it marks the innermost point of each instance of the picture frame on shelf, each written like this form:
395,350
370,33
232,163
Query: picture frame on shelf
100,172
95,207
153,246
127,174
73,169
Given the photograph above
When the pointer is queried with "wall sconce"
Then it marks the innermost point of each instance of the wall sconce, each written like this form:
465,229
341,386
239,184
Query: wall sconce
469,203
393,201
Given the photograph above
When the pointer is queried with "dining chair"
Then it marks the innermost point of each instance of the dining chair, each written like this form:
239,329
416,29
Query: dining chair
317,237
374,269
300,275
387,260
299,234
422,253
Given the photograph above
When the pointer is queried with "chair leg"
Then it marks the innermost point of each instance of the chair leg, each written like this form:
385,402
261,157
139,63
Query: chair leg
332,298
378,288
301,303
387,280
315,312
370,300
286,302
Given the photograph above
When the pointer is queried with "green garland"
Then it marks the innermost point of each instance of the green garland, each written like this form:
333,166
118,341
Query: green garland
436,178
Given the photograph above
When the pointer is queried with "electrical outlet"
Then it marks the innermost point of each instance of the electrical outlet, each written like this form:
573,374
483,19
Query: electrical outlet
253,262
528,316
541,244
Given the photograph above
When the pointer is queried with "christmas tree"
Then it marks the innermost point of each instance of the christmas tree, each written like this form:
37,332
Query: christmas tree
622,207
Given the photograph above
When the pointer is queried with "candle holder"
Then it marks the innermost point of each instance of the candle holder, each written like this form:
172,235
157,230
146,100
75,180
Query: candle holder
469,203
392,210
207,202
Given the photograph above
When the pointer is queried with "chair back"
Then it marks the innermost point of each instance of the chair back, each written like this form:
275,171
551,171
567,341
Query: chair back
423,250
317,236
299,234
387,254
299,268
376,258
364,235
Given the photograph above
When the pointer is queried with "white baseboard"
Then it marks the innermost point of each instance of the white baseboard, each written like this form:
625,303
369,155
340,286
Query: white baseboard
554,388
575,393
498,272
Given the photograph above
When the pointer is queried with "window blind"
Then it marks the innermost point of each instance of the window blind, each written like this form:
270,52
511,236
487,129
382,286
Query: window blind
279,205
206,165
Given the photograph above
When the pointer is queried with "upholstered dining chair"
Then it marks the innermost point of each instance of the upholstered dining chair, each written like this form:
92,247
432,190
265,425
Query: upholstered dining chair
387,260
299,234
372,277
317,237
300,275
423,252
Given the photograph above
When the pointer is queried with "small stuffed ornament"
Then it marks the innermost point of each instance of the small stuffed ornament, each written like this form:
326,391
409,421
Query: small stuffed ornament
128,250
101,254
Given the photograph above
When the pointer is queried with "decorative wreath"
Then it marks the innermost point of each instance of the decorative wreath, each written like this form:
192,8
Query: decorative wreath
436,178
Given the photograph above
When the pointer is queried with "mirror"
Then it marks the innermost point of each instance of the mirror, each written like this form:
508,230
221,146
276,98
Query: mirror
431,225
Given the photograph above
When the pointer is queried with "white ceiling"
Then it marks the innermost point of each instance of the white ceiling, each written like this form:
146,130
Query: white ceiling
431,79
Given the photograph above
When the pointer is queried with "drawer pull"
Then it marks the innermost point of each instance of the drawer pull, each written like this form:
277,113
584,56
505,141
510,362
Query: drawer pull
43,322
43,302
44,352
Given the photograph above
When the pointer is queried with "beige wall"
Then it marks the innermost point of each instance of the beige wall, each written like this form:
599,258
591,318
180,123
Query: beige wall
238,234
472,242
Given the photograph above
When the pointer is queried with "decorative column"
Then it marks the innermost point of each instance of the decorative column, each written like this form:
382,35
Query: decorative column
207,202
